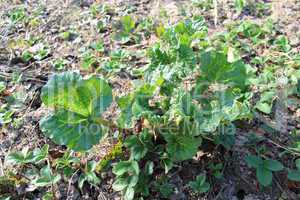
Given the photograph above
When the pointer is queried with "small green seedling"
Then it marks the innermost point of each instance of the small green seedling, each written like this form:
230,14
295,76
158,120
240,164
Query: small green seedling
59,63
46,178
165,189
37,52
138,145
6,115
240,5
200,185
264,168
25,156
126,33
17,15
67,163
68,35
217,170
98,46
88,60
89,175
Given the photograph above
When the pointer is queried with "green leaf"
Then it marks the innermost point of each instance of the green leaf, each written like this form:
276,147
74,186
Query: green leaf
125,104
40,154
6,117
264,176
27,56
135,105
79,104
72,130
264,107
265,103
294,175
137,149
121,37
166,189
239,5
48,196
92,178
46,178
126,167
138,145
254,161
149,167
127,23
120,184
98,46
91,166
199,184
22,157
168,164
81,180
88,61
89,173
182,147
129,193
132,180
273,165
86,97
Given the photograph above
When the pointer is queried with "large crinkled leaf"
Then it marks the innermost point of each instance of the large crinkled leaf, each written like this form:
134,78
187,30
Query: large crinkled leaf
79,104
69,91
72,130
216,68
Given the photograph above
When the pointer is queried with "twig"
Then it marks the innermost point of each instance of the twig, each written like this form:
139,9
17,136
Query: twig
282,147
215,12
1,169
220,193
70,182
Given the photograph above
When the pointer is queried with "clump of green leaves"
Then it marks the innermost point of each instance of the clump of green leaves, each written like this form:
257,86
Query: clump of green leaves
125,33
239,5
37,52
200,184
6,114
60,63
89,60
25,156
68,35
89,174
127,176
46,178
17,14
216,170
264,168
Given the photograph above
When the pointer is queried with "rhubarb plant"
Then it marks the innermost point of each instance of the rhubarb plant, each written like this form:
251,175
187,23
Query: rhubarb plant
183,98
